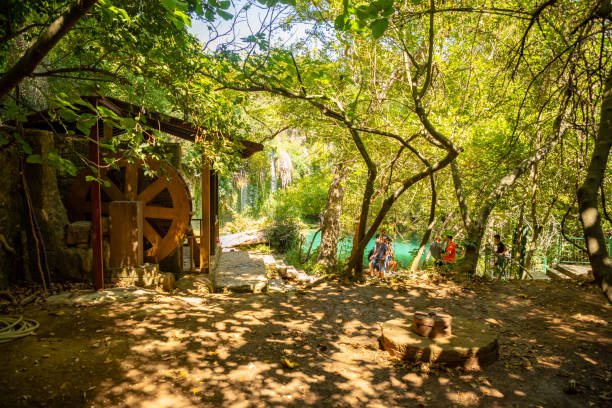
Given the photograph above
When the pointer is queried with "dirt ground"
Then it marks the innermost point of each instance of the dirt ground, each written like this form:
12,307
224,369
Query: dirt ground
236,350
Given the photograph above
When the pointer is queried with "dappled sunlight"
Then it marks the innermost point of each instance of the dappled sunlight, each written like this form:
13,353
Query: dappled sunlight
321,349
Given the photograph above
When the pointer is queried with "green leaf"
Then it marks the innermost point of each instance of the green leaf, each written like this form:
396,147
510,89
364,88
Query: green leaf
224,15
339,22
384,4
224,4
34,158
379,27
181,19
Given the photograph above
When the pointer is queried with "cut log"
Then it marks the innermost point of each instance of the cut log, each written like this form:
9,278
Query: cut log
252,237
471,345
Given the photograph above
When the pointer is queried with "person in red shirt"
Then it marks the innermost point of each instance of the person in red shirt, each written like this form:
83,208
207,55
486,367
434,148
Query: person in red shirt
450,254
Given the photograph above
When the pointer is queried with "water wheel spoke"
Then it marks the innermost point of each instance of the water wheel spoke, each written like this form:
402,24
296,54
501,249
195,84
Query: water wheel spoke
131,182
112,190
165,213
152,235
152,191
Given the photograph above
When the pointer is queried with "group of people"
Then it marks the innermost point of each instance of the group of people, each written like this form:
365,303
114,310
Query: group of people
445,255
448,254
381,257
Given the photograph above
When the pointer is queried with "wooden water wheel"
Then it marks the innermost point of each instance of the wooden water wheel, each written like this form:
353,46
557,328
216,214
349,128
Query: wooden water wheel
166,201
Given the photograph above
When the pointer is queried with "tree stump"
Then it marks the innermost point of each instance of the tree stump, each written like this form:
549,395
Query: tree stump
471,345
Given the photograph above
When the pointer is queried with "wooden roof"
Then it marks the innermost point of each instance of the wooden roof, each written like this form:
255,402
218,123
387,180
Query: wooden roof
154,120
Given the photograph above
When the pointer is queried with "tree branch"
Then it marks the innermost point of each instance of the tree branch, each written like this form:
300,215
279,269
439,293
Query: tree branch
48,39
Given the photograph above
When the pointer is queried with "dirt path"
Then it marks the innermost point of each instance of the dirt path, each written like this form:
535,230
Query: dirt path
228,350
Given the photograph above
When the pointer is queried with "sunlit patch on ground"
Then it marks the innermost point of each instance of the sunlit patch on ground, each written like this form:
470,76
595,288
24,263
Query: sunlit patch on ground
316,349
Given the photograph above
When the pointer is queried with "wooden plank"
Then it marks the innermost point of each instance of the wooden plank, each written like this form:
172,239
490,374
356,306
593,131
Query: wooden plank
153,237
152,190
126,236
131,182
96,210
205,223
213,212
164,213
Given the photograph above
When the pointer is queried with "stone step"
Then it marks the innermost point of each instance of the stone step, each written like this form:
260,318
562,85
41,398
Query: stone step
555,274
578,272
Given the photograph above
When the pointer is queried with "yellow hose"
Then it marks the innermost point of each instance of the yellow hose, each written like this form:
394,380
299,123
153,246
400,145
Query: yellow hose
12,328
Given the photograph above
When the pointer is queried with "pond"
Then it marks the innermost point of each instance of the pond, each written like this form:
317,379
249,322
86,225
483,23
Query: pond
405,249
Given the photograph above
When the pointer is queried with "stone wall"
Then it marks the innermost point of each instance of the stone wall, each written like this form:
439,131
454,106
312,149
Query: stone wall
12,217
65,262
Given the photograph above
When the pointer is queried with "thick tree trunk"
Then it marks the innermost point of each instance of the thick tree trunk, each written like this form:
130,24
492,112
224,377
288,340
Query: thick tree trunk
331,218
587,196
472,247
518,234
48,39
430,224
354,267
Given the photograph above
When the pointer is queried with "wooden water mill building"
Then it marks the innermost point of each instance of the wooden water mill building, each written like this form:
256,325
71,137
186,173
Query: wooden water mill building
150,215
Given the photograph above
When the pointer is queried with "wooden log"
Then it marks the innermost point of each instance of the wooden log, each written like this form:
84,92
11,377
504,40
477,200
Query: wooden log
205,223
126,233
96,210
245,238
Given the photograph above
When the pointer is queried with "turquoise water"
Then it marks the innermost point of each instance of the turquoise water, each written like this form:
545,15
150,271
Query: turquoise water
405,250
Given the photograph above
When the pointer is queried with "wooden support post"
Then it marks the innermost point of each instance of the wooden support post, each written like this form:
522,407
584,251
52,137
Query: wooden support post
205,223
212,211
96,210
126,248
216,213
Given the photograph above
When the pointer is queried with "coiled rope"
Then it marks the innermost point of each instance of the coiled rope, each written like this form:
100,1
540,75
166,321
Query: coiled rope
12,328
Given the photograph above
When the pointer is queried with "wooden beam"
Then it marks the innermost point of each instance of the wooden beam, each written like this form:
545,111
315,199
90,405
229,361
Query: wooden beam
96,210
126,235
213,212
205,223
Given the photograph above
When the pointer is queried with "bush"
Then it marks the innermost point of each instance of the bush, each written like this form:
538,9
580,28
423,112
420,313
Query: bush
284,234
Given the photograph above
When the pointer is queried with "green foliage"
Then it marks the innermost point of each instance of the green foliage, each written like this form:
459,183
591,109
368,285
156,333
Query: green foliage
284,233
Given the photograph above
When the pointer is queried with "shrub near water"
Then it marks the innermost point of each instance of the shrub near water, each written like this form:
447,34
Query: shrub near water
284,234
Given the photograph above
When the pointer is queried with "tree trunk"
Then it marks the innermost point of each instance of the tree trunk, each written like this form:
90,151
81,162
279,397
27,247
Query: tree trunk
587,196
356,259
472,248
272,172
331,218
47,40
354,266
416,262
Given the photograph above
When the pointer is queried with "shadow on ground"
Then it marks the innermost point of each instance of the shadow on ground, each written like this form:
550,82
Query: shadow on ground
234,350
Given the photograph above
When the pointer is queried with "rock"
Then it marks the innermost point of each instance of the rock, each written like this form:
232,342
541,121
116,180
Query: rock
292,273
277,285
147,275
167,281
260,286
281,269
252,237
75,263
194,285
304,278
78,232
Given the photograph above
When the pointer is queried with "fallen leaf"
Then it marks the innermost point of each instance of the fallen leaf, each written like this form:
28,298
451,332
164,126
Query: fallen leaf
289,364
108,360
522,295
